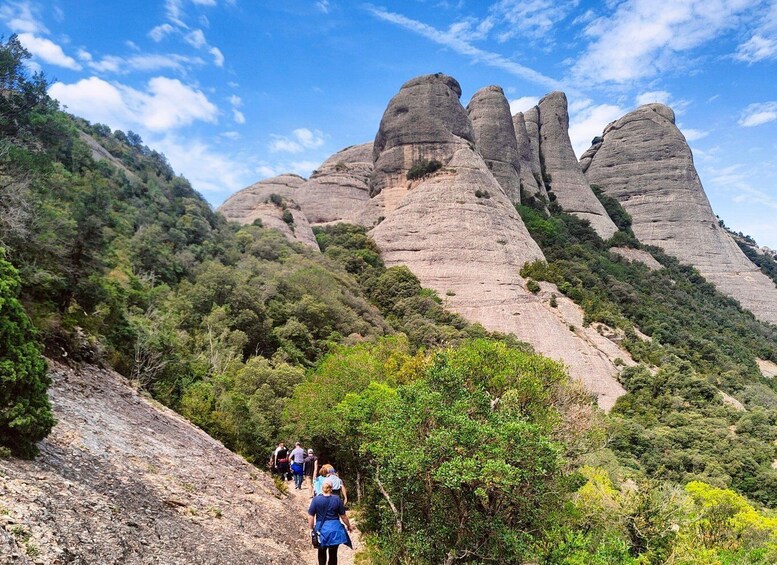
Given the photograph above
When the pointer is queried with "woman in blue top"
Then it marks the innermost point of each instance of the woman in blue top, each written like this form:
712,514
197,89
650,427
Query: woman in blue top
324,517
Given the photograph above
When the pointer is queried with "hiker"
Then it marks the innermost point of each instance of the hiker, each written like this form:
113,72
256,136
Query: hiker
310,468
324,519
282,462
297,458
327,474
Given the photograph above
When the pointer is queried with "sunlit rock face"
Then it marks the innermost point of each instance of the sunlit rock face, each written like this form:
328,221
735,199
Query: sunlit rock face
644,161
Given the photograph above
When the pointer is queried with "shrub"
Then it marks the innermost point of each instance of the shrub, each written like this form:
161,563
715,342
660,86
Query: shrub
288,217
422,168
276,199
482,194
25,412
533,286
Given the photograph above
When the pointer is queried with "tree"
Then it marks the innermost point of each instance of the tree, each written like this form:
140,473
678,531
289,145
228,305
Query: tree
25,412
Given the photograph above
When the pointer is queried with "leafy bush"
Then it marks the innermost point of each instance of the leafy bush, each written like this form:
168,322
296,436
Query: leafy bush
422,168
25,412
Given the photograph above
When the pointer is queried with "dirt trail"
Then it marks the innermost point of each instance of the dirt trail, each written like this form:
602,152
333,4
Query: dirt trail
345,556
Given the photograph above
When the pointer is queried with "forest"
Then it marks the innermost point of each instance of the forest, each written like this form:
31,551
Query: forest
462,445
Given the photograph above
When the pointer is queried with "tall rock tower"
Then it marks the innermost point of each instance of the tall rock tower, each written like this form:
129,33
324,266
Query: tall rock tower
562,171
644,161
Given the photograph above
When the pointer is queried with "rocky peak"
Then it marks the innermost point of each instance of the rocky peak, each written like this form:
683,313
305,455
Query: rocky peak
560,168
495,138
530,170
644,161
424,121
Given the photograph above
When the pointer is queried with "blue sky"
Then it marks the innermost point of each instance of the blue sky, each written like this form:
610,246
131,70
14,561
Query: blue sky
233,91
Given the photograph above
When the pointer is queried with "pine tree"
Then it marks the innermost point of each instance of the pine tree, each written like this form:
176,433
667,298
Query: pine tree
25,411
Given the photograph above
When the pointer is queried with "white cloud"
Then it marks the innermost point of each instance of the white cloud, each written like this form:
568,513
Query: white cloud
461,46
233,135
758,114
757,48
160,32
692,134
660,96
523,103
144,62
196,38
236,101
48,51
323,6
299,140
528,18
218,56
301,168
238,116
166,104
641,39
22,17
589,122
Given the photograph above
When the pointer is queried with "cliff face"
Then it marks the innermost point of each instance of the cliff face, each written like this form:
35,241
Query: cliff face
644,161
123,480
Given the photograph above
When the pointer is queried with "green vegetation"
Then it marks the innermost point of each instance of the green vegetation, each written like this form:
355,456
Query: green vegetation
673,424
422,168
765,261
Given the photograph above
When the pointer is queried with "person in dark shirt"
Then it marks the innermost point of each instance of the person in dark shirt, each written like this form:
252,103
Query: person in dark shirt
324,516
310,468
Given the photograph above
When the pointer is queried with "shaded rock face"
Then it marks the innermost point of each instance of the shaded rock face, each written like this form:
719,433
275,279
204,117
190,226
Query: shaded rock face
532,121
495,138
566,178
470,248
529,170
339,189
644,161
123,480
272,202
424,121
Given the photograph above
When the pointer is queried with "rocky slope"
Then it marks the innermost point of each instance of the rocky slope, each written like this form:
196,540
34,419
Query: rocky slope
644,161
124,480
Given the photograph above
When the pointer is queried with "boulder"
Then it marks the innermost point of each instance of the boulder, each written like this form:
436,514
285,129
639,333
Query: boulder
644,161
529,169
562,171
424,121
495,138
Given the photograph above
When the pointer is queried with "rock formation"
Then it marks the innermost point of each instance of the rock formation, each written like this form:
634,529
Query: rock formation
424,121
530,171
495,138
339,189
561,169
272,202
123,480
644,161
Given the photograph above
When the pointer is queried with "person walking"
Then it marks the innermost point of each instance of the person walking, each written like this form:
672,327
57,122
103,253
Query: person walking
327,474
310,468
297,459
282,462
328,519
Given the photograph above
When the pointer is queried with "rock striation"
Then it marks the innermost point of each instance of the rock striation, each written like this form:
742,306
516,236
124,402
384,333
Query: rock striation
424,121
644,161
560,167
495,138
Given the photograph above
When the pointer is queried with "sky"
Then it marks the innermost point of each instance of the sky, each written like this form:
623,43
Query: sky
233,91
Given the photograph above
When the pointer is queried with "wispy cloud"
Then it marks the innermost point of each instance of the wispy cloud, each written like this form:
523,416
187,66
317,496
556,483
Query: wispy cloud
528,18
762,44
22,17
299,140
588,120
236,102
640,40
758,114
141,62
454,41
176,26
